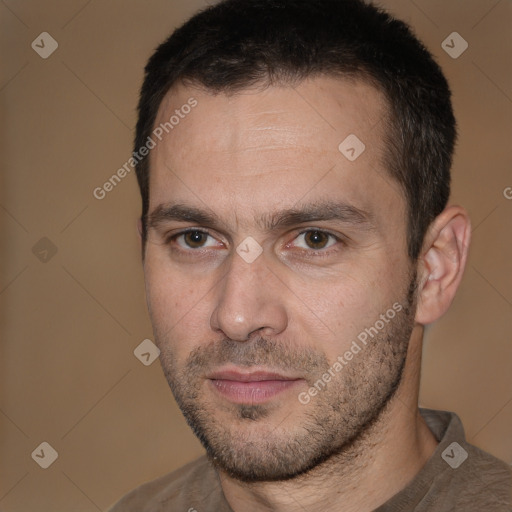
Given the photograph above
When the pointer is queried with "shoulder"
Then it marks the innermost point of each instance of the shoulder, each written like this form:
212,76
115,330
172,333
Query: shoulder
180,488
483,479
463,475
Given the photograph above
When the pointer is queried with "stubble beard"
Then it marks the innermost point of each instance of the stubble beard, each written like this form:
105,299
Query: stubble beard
247,445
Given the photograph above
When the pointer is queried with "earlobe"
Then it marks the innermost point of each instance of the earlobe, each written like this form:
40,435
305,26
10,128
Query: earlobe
442,263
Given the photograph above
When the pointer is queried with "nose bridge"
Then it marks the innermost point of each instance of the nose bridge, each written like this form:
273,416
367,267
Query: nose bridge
241,270
244,304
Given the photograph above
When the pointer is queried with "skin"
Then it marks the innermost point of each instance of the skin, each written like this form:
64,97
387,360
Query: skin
244,158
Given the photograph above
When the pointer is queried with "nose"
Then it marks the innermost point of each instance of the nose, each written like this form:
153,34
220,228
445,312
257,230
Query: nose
249,299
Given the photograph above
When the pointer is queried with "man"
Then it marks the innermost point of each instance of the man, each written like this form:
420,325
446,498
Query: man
296,240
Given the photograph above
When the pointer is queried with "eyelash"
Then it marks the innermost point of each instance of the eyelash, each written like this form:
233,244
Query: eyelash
319,253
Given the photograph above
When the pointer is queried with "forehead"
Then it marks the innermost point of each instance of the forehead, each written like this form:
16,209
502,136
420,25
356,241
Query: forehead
266,148
309,111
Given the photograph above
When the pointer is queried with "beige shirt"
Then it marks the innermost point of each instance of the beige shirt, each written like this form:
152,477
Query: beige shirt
457,478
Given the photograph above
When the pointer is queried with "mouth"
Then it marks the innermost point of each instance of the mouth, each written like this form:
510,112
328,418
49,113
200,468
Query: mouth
251,387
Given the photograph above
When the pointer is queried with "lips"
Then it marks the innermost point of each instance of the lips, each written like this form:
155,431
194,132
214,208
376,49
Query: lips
251,387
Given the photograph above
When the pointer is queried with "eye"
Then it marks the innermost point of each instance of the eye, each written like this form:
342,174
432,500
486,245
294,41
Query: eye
194,239
315,239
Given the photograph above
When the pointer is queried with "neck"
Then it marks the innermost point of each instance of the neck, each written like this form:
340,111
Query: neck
368,472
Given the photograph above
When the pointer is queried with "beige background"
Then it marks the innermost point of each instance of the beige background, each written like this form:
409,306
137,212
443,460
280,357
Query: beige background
68,375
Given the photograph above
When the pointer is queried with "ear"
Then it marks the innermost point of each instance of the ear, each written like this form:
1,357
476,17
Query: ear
442,263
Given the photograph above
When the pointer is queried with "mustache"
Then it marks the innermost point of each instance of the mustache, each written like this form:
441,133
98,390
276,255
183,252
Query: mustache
260,351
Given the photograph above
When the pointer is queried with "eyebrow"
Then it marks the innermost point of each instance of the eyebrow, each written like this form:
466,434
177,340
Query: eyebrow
319,211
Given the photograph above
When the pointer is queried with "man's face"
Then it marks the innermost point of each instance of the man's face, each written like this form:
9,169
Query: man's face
247,337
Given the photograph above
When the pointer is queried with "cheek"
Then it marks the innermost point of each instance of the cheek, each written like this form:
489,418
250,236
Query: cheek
170,292
335,314
178,305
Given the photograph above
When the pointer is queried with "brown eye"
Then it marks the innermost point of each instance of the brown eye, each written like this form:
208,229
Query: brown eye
195,239
316,239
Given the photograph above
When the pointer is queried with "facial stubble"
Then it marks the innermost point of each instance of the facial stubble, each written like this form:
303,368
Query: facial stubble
244,440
